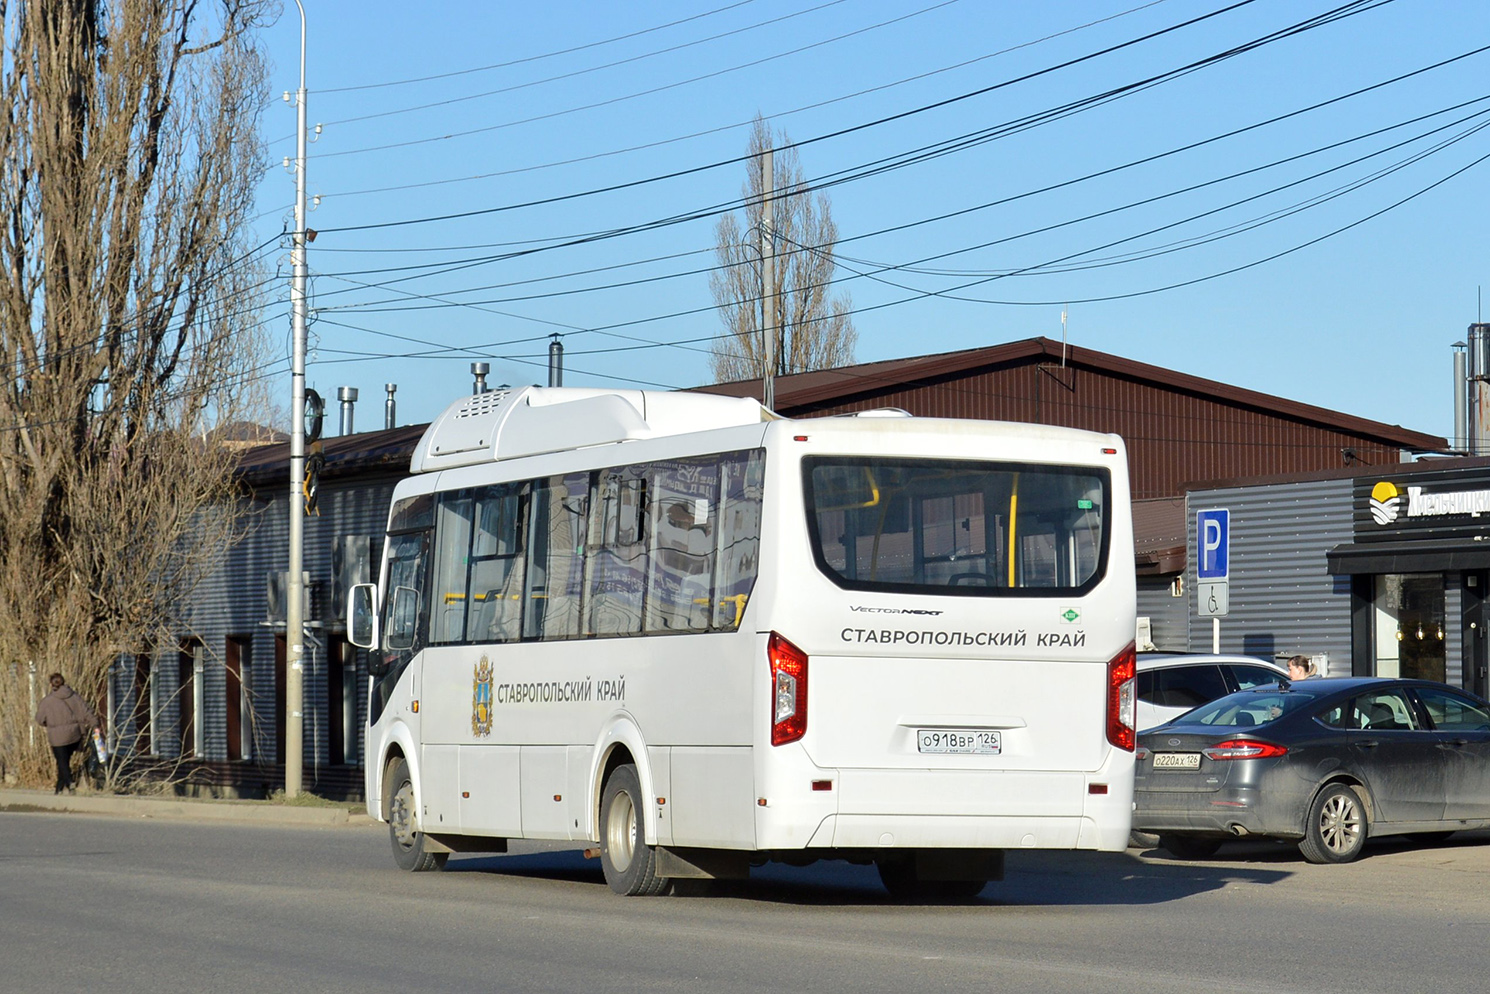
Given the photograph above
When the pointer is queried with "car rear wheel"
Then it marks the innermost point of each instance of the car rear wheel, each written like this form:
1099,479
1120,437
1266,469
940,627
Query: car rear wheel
1336,829
1190,846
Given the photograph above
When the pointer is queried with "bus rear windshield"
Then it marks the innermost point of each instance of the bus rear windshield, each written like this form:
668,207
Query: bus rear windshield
957,527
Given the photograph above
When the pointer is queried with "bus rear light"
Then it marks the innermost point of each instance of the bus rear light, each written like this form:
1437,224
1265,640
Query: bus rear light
788,690
1121,708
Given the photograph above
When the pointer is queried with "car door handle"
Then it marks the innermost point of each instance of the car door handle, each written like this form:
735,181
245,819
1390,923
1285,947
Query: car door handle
1368,743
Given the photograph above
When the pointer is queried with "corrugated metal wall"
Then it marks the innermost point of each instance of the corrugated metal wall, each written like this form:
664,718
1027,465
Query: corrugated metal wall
1173,437
1282,598
1169,617
231,603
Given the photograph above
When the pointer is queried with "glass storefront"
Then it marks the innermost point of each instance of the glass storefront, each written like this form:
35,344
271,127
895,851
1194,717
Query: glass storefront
1409,631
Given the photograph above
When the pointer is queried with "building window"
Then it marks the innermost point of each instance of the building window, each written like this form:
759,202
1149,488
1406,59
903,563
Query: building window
1409,613
189,693
239,703
341,703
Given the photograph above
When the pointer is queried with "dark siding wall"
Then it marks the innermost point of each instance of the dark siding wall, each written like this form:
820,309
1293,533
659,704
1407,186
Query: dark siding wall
1173,437
232,603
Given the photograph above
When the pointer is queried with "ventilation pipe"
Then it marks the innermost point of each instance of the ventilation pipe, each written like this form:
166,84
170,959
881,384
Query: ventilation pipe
1479,389
479,370
390,409
555,361
1460,443
348,398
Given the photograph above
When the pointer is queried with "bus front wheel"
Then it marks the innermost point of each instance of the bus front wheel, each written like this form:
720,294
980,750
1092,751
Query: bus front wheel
403,824
629,864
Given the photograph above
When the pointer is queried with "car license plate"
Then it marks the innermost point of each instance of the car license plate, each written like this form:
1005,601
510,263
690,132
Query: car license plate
958,741
1176,760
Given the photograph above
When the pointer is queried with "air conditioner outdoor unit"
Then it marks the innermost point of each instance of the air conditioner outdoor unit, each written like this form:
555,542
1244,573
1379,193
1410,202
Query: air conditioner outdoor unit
276,585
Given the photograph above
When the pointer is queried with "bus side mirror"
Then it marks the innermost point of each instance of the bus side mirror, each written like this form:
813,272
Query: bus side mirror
362,620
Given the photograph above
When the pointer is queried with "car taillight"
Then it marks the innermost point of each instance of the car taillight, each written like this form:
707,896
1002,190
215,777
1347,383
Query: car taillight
788,690
1243,749
1121,718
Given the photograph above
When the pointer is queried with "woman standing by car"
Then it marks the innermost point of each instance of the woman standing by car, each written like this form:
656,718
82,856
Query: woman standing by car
67,719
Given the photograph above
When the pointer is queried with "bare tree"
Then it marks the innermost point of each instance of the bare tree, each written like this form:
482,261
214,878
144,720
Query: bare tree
129,153
813,328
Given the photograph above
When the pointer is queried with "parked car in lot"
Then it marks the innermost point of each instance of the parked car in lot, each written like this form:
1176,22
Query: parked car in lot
1327,762
1169,684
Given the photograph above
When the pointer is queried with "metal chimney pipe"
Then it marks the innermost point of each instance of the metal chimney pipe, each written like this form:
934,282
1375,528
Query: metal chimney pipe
348,397
390,409
1461,398
479,370
555,361
1479,389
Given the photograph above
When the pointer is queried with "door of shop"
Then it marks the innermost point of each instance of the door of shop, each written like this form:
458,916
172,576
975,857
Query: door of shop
1476,617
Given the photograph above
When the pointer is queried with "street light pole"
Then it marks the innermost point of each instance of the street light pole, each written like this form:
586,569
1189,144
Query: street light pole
295,583
768,277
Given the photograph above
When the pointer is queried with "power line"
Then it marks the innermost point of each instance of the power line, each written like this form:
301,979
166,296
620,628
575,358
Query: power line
1354,6
538,58
635,58
776,116
368,307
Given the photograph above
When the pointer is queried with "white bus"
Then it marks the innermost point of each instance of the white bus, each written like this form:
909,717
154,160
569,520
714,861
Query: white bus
705,637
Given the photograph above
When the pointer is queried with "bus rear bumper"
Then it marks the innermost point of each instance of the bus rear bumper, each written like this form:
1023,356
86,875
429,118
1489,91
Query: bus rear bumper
966,809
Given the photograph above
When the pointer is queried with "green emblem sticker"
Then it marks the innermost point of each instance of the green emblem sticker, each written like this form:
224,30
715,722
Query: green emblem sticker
1071,614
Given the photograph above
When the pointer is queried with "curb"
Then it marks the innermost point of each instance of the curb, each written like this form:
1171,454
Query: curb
175,808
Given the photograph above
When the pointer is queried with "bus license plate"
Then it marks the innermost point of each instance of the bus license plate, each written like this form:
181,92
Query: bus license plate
1176,760
958,741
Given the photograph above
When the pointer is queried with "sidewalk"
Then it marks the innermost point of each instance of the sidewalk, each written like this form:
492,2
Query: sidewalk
124,806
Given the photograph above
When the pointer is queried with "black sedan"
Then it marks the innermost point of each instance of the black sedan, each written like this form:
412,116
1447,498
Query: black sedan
1327,762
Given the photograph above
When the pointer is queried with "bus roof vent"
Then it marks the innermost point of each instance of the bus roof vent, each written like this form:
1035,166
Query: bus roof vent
878,412
505,424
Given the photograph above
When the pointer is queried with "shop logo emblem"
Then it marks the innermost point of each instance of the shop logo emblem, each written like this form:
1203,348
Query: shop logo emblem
481,714
1386,502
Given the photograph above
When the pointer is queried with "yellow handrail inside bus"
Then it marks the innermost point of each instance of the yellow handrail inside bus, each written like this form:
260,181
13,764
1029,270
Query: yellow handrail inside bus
1013,519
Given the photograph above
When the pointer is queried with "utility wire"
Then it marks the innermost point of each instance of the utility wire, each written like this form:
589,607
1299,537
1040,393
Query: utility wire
878,122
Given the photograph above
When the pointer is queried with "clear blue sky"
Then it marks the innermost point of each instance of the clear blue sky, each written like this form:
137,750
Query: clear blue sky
1361,321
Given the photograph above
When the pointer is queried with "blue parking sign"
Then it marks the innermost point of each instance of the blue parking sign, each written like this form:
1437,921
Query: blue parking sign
1212,535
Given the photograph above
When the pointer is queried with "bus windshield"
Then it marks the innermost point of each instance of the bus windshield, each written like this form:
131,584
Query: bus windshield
957,527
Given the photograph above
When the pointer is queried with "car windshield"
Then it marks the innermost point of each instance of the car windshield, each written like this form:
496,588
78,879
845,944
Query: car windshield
1247,708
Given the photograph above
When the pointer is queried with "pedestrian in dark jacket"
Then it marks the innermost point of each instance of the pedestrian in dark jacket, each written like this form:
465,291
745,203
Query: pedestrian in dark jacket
68,720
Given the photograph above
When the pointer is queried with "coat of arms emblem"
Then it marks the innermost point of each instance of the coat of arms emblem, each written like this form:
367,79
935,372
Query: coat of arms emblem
481,714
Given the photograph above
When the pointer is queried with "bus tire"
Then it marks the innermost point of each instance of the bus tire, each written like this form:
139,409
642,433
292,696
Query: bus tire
408,842
629,864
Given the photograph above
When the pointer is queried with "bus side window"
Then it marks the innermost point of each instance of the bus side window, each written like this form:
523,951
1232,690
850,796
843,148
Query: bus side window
618,554
560,510
453,542
681,529
495,590
739,543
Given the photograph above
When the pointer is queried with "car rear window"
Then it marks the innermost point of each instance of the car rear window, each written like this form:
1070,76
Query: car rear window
1248,708
1252,676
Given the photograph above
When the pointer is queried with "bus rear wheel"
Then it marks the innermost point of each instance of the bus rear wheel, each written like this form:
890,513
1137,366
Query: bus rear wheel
403,824
629,864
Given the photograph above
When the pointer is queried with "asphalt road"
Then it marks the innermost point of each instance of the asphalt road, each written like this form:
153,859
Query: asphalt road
108,904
